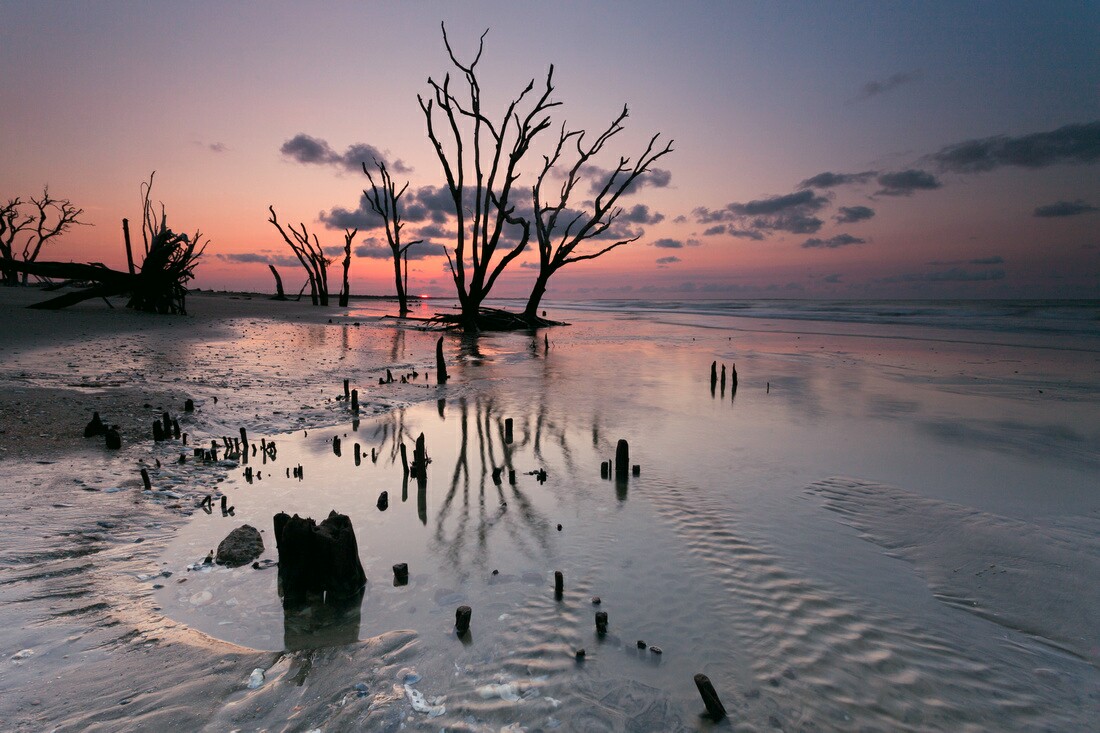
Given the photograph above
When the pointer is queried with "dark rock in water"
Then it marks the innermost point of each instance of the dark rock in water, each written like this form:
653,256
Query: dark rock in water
240,547
95,427
114,440
318,559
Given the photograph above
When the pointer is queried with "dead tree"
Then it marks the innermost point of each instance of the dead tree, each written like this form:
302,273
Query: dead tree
279,294
311,256
46,219
345,291
487,176
385,201
558,240
159,286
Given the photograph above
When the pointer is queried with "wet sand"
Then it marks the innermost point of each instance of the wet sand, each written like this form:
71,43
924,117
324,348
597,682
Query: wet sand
957,591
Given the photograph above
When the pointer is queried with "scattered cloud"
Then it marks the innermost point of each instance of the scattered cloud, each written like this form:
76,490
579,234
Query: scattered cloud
955,274
1067,144
880,86
904,183
376,249
664,261
852,214
716,229
993,260
666,243
218,147
653,178
832,180
307,149
640,214
268,258
792,212
681,219
1064,208
840,240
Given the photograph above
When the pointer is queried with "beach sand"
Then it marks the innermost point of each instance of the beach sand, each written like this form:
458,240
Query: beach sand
959,590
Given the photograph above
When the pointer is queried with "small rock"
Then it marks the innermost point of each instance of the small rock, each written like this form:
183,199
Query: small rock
256,679
595,600
240,547
641,644
655,649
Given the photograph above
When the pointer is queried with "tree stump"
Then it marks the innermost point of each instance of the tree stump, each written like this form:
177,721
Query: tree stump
622,461
440,365
95,427
710,697
318,559
462,619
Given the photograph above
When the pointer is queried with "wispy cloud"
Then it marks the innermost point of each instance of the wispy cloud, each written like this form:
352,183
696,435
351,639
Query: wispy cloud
840,240
829,179
852,214
307,149
218,147
956,274
667,243
667,260
904,183
1064,208
1067,144
792,212
880,86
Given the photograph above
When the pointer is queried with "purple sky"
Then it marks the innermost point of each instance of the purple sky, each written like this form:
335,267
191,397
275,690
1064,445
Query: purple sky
821,150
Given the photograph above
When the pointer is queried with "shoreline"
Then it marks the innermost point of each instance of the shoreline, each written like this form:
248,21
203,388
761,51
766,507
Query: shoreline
80,578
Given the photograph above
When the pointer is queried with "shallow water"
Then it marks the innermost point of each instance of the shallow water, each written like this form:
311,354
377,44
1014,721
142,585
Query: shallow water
963,477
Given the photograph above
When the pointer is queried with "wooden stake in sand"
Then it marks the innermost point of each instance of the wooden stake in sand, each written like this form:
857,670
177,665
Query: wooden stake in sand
559,584
145,480
710,697
347,394
601,622
401,574
158,431
622,461
440,366
462,619
112,437
355,400
508,430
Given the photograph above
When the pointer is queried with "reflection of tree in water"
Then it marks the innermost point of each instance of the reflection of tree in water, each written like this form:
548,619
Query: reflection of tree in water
495,507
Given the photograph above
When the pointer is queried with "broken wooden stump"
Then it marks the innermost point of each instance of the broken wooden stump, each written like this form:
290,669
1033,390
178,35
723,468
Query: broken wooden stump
336,444
622,461
347,394
404,459
112,438
94,427
462,619
145,480
440,365
420,459
318,559
158,431
401,574
383,501
559,584
358,454
496,475
636,470
713,374
710,697
508,430
355,400
189,405
601,622
605,469
175,429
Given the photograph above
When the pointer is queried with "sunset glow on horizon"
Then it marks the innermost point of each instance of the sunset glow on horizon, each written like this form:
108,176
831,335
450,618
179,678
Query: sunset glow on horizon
853,150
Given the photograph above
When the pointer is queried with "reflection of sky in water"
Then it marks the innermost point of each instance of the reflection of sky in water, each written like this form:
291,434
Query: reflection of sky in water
974,433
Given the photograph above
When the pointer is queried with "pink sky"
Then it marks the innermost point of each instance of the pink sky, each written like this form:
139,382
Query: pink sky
758,97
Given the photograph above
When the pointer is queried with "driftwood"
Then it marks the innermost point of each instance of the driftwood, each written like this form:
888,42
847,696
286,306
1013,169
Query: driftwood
491,319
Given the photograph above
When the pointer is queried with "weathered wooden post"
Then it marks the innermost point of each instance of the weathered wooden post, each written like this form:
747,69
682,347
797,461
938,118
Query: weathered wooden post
158,431
244,439
713,374
420,458
622,461
189,405
559,584
404,459
601,622
358,454
440,365
355,400
347,394
462,619
145,480
710,697
401,574
336,444
112,437
508,430
723,379
129,251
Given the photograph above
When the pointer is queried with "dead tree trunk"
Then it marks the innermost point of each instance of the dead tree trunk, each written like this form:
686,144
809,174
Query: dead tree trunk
279,294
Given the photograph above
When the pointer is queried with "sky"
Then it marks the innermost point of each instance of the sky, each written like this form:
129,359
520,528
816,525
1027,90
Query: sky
820,150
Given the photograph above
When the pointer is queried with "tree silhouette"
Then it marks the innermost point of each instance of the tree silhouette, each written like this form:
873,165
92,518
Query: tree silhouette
385,201
485,176
40,219
307,249
558,239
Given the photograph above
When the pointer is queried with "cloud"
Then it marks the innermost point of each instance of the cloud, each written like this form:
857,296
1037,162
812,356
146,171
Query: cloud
877,87
904,183
666,243
1068,144
217,147
955,274
716,229
681,219
430,231
376,249
307,150
840,240
667,260
653,178
1064,208
245,258
852,214
744,233
640,214
792,212
831,180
